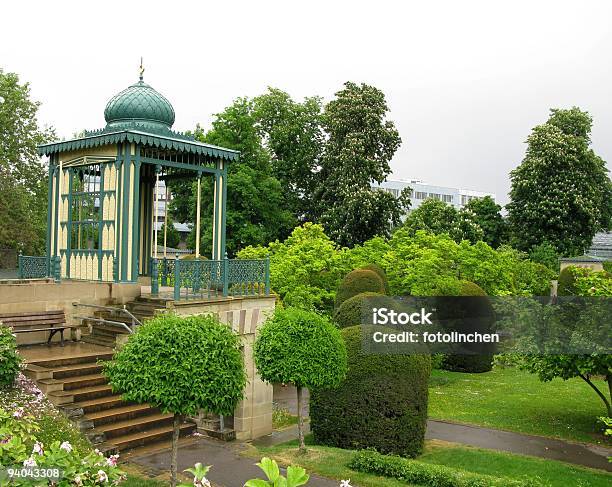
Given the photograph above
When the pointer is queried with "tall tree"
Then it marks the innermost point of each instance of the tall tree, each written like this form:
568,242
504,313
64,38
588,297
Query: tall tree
256,213
360,143
293,134
487,214
561,193
23,178
437,217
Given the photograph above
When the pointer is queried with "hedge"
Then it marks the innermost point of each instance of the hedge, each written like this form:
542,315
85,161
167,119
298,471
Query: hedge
567,282
357,282
381,273
469,309
9,358
381,404
420,473
350,311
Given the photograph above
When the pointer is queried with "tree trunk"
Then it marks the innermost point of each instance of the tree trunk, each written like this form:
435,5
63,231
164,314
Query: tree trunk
300,419
175,437
599,393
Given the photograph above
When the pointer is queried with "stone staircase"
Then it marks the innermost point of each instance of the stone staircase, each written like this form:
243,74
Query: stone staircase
75,383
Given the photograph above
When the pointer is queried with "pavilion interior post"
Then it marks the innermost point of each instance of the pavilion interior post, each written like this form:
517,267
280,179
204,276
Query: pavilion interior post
166,219
197,245
155,211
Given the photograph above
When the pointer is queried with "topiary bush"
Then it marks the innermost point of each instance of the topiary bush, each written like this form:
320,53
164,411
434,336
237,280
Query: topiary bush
381,273
9,359
349,312
357,282
381,404
468,309
567,282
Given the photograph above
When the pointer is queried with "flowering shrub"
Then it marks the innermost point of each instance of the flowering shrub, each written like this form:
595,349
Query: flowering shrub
9,359
19,447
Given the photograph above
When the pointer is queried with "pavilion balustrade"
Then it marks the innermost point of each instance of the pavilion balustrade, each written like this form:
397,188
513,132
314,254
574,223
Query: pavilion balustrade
204,278
35,267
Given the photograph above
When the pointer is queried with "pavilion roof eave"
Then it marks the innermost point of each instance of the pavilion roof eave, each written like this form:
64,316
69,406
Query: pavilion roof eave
138,137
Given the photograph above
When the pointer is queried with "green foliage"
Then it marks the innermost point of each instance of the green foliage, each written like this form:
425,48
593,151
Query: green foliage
9,358
305,269
199,473
349,313
23,176
437,217
607,265
419,473
302,348
566,285
296,476
469,309
381,273
293,135
487,215
381,404
545,254
561,193
360,143
590,283
173,237
181,365
357,282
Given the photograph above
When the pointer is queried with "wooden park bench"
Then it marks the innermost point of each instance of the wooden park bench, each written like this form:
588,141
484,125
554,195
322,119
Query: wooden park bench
37,321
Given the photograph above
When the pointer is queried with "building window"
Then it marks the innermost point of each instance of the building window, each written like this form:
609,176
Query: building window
85,209
420,195
447,198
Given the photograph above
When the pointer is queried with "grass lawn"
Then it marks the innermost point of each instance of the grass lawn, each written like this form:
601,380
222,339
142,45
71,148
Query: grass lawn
514,400
331,462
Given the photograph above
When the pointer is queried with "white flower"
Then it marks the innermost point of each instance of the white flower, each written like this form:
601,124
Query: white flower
102,477
112,460
38,448
18,413
345,483
203,482
77,480
98,452
66,446
30,462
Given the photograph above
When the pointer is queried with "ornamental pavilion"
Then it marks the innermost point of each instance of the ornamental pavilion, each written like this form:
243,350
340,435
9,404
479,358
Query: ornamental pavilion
102,185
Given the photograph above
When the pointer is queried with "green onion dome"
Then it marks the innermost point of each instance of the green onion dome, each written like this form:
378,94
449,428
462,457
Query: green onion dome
139,107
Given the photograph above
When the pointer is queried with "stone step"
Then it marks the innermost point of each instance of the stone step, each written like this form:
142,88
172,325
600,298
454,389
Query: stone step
71,383
99,340
91,406
76,370
120,413
84,358
78,395
153,435
110,331
134,425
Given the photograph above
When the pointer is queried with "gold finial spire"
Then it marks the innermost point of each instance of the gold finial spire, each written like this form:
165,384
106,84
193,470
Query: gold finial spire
141,69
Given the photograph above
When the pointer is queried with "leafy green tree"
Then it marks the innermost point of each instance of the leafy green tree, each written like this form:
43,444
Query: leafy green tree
545,254
438,217
180,365
23,175
487,215
173,237
293,134
256,209
360,143
561,193
302,348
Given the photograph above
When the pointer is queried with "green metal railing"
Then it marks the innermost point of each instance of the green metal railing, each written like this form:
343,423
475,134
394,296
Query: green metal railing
203,278
35,267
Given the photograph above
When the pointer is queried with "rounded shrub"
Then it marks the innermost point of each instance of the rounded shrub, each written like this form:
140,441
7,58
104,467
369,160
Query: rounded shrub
350,311
476,309
381,404
567,282
9,359
357,282
381,273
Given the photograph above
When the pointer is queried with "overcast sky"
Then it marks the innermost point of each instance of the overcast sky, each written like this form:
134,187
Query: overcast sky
465,80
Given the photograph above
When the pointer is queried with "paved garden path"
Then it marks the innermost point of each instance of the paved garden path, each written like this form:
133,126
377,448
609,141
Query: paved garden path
492,439
229,468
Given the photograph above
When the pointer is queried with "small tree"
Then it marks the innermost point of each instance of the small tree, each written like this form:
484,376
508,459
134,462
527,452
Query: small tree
173,237
180,365
302,348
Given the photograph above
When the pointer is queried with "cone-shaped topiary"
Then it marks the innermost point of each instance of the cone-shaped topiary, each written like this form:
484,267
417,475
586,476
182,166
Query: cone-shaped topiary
357,282
381,273
476,308
350,311
381,404
567,282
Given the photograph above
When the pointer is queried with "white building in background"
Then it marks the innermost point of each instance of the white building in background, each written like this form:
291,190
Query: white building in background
457,197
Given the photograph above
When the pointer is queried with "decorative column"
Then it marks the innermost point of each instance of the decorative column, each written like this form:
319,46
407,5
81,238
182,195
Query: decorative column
198,205
219,207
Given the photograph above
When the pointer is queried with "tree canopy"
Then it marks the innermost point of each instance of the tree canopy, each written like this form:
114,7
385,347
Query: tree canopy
561,193
487,215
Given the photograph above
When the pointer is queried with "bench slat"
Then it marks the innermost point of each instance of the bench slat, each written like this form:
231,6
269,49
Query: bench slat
34,322
43,329
32,313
